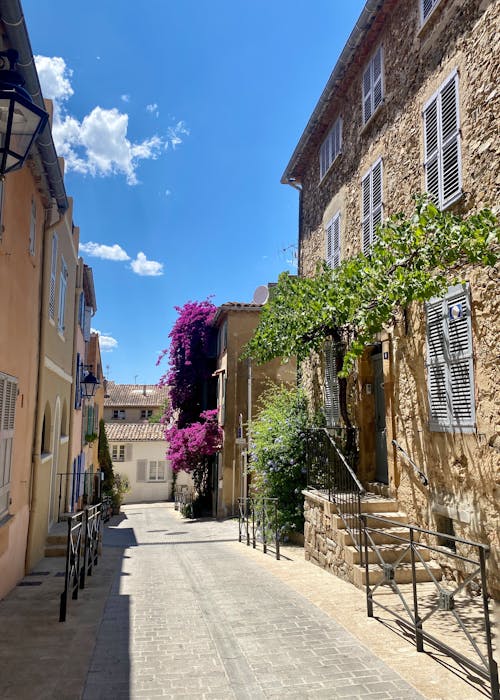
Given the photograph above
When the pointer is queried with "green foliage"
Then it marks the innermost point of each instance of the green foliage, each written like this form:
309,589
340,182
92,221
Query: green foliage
414,259
121,486
278,453
104,457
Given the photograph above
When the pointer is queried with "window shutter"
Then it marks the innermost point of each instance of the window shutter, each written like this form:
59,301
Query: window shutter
431,145
128,452
141,469
377,78
461,376
367,94
331,388
450,138
161,470
8,397
53,269
438,401
426,8
366,215
376,198
86,329
333,241
63,283
78,374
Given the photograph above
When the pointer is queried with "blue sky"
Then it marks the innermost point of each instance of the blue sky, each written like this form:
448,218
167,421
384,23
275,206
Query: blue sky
176,119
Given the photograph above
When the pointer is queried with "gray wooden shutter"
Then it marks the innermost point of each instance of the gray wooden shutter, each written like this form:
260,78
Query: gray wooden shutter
333,241
142,465
377,87
436,367
367,94
331,387
459,346
8,397
86,329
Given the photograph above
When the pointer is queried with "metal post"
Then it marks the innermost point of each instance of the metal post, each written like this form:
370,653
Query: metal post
83,569
493,667
264,536
64,595
254,543
419,638
239,520
59,504
369,599
277,529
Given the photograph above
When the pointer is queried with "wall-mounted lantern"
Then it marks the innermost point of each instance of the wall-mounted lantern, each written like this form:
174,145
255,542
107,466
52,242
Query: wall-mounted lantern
88,383
20,119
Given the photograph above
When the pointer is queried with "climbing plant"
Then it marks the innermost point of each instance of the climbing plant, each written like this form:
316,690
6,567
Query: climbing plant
414,259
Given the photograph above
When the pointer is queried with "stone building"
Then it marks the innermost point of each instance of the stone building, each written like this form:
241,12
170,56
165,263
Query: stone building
239,388
412,106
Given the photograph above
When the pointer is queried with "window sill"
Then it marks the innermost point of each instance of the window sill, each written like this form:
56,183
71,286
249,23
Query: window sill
325,176
365,127
5,519
465,430
430,20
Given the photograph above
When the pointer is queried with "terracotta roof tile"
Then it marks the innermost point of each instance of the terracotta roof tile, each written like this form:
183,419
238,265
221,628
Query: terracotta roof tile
128,432
135,395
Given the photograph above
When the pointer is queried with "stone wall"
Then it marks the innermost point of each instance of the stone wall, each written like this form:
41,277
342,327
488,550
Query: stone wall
463,469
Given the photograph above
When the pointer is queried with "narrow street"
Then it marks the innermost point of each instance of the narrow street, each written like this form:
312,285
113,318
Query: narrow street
179,609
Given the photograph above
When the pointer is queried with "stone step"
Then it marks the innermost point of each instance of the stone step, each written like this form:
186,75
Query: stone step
397,516
380,536
388,552
371,503
402,573
378,488
57,539
55,550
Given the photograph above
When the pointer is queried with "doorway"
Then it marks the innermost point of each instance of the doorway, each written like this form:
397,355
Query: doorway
381,466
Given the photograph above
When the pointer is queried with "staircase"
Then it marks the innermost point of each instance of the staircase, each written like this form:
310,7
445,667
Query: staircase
57,539
388,545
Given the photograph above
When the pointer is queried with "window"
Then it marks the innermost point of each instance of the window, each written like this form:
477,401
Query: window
426,8
86,325
53,269
63,283
118,453
150,471
331,388
146,413
373,86
119,414
450,373
443,178
8,396
33,227
222,338
372,207
330,148
333,241
78,375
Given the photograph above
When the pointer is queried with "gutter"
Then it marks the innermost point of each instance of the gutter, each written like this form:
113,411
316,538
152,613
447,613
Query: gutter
12,17
345,59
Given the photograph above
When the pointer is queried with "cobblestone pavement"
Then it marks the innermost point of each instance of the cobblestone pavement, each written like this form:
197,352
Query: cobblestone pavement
189,617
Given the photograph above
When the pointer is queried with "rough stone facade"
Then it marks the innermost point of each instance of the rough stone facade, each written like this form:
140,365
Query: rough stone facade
460,35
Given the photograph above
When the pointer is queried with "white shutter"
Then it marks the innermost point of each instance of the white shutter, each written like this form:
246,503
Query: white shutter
63,283
333,241
330,148
431,146
377,88
366,211
367,94
141,469
53,270
438,399
376,198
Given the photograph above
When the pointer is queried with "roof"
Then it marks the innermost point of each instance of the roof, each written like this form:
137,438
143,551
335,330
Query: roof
128,432
235,306
147,395
319,121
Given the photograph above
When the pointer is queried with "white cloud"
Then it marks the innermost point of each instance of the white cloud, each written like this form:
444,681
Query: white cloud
106,342
146,268
153,109
98,144
105,252
175,132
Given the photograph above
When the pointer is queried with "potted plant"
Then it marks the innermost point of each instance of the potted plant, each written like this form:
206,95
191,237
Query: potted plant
121,486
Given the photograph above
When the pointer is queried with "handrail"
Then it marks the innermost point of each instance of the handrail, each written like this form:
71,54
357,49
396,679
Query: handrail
419,472
344,462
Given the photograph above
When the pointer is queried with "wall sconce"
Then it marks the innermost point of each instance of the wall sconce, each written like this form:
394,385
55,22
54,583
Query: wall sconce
20,119
88,383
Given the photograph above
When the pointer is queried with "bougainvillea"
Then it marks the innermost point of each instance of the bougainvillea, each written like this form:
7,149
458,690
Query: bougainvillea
189,447
191,361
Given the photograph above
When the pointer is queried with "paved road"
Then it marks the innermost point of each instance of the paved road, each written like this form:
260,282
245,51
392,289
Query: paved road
190,617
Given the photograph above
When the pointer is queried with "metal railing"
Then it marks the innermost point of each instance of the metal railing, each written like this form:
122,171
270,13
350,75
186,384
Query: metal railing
74,489
415,552
183,502
329,473
259,516
82,553
420,474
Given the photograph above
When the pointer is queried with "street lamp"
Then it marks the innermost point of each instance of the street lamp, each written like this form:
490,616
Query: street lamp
20,119
89,384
